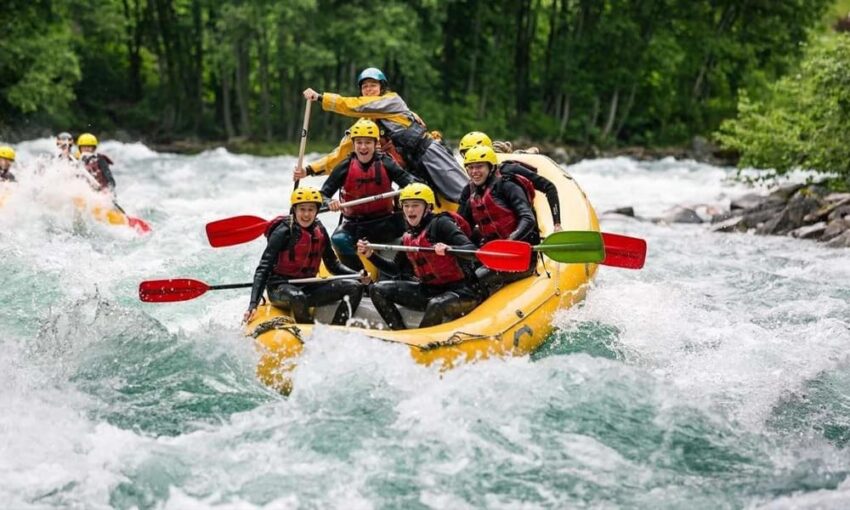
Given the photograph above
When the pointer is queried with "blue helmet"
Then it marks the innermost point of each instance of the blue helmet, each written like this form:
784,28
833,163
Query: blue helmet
373,73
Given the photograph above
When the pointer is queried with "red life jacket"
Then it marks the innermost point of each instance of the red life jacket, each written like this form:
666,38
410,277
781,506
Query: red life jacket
460,221
388,148
494,220
302,257
522,181
363,182
92,165
430,268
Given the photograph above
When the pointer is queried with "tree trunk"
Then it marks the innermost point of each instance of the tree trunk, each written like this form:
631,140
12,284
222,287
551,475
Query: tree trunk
227,111
522,56
625,111
134,46
265,98
612,114
242,91
565,115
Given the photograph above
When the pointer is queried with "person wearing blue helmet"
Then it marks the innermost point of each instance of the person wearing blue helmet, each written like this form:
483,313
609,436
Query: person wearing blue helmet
423,156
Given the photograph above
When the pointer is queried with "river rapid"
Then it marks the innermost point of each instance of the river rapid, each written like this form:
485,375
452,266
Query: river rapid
716,377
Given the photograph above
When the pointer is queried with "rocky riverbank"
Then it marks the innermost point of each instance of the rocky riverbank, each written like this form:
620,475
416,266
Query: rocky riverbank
797,210
801,211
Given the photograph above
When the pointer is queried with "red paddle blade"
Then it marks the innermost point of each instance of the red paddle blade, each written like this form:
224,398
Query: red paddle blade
139,224
166,291
236,230
505,255
624,251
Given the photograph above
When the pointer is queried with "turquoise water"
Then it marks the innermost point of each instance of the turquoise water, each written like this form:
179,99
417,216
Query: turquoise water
716,377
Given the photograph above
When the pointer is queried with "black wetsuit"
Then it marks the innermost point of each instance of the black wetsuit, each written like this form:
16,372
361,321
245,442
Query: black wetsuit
441,303
512,196
7,176
377,230
299,298
540,183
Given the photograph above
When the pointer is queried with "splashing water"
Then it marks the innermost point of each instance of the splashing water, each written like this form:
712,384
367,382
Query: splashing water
715,377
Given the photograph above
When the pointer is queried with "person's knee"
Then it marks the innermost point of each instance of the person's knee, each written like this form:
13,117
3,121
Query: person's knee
344,243
380,289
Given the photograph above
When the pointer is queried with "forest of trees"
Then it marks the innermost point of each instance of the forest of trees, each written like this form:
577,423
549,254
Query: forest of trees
569,71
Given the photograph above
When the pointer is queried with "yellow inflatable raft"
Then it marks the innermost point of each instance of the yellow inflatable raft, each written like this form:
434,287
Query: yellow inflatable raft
514,321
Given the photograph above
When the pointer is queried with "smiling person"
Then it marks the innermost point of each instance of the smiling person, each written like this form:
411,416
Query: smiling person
425,158
364,173
515,171
442,290
499,209
296,246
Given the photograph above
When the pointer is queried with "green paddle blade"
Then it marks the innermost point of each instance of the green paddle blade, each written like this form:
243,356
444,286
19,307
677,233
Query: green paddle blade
573,247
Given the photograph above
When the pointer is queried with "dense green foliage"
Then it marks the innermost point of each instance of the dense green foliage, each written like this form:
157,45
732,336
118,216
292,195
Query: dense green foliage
805,120
600,71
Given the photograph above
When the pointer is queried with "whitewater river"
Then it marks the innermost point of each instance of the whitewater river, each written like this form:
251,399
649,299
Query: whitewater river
716,377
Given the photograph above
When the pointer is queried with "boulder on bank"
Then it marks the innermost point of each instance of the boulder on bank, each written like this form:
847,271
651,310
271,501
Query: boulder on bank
802,211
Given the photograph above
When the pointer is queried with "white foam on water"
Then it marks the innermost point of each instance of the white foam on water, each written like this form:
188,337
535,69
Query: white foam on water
723,325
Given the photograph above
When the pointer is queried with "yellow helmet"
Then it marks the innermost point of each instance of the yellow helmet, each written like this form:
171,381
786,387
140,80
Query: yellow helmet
7,152
305,196
365,128
87,140
474,139
480,154
418,191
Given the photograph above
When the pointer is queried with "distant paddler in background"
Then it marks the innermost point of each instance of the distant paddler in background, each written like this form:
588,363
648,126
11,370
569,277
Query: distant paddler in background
7,157
96,164
365,172
297,245
64,143
424,157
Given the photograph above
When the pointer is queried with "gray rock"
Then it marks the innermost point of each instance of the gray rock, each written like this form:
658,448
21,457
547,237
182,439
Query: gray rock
748,201
681,214
625,211
560,155
736,224
785,192
702,148
727,215
839,212
760,216
842,241
837,197
834,229
791,217
809,231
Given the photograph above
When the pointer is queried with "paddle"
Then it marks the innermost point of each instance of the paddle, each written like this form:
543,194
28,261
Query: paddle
184,289
573,247
241,229
589,246
499,255
624,251
137,223
303,139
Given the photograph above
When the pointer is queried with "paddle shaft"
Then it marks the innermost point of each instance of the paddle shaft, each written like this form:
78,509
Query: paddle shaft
366,200
303,145
397,247
297,280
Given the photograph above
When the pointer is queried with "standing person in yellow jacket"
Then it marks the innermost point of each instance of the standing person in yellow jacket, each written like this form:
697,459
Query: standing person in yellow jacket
424,157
